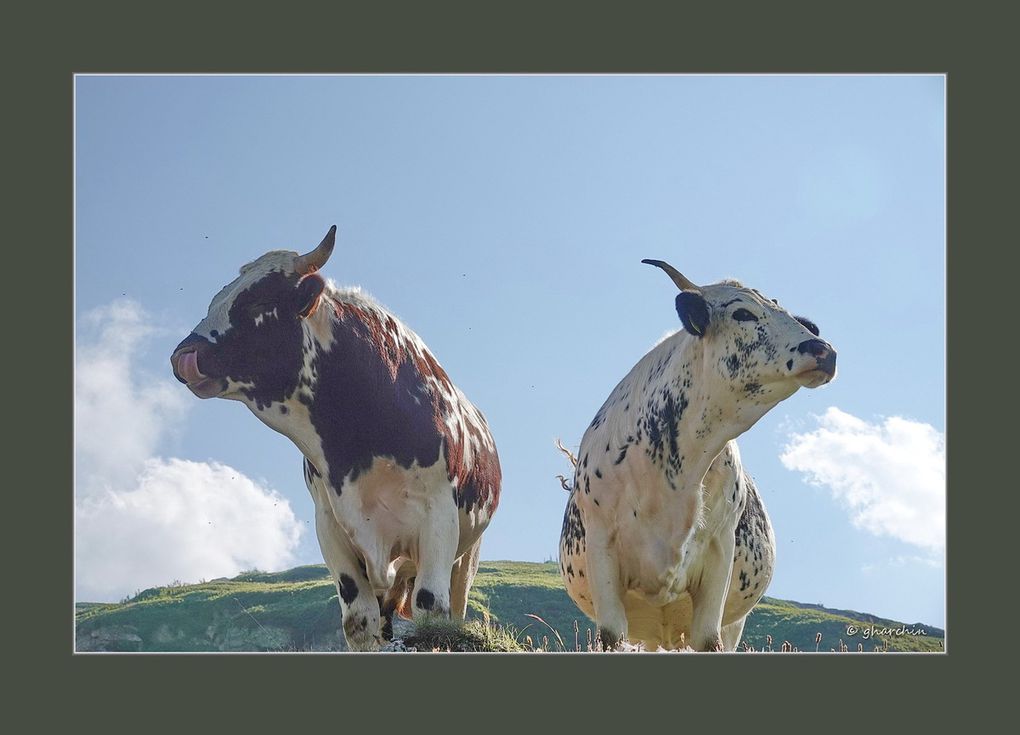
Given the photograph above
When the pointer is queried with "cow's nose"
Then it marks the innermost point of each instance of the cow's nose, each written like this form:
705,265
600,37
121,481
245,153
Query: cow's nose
825,356
814,347
192,340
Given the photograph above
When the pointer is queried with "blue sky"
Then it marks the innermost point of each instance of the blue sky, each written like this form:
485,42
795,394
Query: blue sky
504,219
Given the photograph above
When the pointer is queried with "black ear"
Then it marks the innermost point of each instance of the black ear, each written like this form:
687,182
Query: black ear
808,324
308,291
693,311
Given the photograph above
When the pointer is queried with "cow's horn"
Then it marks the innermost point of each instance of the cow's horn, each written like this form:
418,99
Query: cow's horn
311,262
679,278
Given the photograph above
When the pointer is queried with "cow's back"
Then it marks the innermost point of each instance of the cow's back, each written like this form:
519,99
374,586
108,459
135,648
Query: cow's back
399,440
379,392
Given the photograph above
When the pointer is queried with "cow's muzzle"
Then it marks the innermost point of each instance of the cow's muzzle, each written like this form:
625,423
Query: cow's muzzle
824,368
185,362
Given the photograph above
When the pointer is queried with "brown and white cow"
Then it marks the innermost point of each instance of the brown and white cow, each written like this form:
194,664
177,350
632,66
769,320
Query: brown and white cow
665,539
401,466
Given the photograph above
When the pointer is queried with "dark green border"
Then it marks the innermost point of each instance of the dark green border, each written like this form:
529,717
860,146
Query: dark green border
396,692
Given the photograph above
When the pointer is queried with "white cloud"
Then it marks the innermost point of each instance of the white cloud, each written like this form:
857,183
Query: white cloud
119,415
142,519
890,476
184,521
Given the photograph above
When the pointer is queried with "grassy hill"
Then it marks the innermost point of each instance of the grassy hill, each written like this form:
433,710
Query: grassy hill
297,610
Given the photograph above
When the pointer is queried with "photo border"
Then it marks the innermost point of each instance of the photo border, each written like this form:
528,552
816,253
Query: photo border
473,38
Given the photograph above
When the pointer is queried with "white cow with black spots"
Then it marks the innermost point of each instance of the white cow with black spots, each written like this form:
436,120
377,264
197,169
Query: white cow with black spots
665,539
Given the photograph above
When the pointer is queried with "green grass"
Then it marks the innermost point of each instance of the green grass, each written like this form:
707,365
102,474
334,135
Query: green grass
273,613
441,634
512,606
512,591
799,624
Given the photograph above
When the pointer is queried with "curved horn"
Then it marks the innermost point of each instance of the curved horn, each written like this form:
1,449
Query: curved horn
679,278
311,262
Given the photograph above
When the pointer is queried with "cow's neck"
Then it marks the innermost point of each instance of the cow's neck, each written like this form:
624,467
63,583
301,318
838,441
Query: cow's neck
711,417
336,324
292,417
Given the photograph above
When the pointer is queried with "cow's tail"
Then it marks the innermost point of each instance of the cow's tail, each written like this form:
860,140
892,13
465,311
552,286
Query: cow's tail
573,461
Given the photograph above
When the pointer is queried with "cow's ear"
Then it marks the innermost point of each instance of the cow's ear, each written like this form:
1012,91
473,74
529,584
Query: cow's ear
693,311
309,289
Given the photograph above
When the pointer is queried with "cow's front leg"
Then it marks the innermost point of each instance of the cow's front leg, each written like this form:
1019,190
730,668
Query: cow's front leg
464,570
437,551
731,634
709,596
606,588
359,608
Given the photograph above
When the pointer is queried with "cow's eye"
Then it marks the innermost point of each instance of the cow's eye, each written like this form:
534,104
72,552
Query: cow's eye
256,310
743,315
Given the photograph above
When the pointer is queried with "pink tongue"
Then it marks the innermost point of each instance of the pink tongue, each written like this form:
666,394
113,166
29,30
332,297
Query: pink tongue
187,366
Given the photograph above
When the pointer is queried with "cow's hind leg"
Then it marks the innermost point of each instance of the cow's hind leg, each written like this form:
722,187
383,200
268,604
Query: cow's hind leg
463,575
731,634
437,551
359,607
397,599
